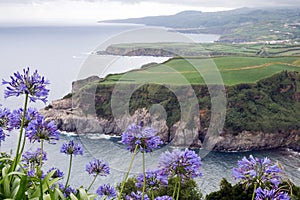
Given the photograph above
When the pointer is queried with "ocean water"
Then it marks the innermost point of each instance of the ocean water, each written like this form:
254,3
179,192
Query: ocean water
67,53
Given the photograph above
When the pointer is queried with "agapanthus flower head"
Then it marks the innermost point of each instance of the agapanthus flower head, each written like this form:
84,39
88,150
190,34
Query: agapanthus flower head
71,148
4,117
163,198
145,138
264,194
4,120
180,163
258,170
34,85
33,173
137,196
97,167
2,135
15,118
106,190
154,179
68,190
39,129
57,173
34,158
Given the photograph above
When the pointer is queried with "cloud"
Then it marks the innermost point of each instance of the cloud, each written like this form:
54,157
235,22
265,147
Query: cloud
203,3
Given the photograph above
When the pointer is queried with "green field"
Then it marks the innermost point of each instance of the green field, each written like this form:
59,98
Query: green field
204,49
230,70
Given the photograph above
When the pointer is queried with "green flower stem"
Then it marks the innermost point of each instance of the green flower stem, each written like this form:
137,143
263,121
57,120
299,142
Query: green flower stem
92,183
144,173
18,152
253,195
179,184
127,174
40,169
175,187
69,172
41,189
41,157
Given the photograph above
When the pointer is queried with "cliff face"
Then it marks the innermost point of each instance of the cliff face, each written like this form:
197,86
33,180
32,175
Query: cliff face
73,120
258,116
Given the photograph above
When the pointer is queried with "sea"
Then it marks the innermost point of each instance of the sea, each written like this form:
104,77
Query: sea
65,53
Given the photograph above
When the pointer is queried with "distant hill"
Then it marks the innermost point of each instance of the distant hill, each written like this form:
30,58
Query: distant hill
239,25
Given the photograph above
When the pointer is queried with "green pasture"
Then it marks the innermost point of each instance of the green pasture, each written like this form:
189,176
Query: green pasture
228,70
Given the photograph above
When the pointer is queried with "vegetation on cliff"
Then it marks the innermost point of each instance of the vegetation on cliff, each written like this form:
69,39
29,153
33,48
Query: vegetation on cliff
262,93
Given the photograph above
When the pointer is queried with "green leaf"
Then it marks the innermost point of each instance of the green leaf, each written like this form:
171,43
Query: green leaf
47,197
73,197
82,194
22,188
60,193
6,182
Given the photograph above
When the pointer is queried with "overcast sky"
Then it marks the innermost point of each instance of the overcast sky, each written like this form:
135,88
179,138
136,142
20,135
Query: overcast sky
93,10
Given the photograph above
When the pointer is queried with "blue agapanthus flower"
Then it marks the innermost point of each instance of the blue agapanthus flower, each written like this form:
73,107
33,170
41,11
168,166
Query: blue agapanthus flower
4,120
163,198
57,173
137,196
145,138
33,173
154,179
2,135
67,191
180,163
106,190
97,167
39,129
264,194
34,85
4,117
71,148
32,158
15,118
258,170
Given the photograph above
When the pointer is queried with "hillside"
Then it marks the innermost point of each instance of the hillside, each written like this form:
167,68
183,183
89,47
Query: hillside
263,102
240,25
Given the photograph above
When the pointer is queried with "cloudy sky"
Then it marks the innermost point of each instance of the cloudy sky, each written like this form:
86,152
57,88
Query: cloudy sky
93,10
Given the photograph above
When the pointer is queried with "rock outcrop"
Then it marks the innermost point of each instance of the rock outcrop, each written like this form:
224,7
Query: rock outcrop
71,120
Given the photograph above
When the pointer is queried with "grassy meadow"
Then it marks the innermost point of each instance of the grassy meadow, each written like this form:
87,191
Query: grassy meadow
230,70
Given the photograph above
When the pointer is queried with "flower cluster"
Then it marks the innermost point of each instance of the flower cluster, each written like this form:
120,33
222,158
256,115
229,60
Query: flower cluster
164,198
57,173
71,148
108,191
34,85
137,196
34,158
258,170
143,138
4,120
15,118
39,129
67,191
185,164
97,167
154,179
264,194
